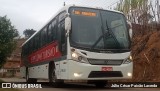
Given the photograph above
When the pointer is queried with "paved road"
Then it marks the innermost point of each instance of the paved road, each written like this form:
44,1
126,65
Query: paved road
76,87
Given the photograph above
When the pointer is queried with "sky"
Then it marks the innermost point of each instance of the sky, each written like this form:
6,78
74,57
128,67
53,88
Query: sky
34,14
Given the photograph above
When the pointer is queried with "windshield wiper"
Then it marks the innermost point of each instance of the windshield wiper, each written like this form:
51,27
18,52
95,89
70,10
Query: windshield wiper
105,34
112,33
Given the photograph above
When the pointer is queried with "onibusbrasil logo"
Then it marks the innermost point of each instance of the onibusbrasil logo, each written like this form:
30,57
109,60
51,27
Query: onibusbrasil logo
20,85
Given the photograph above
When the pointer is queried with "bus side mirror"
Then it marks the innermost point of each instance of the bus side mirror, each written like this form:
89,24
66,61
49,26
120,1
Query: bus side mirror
129,25
67,25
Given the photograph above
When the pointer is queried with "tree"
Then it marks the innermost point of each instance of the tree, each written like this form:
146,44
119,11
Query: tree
29,32
133,9
7,42
145,18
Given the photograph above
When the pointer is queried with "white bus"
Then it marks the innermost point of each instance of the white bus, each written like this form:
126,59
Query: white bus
80,43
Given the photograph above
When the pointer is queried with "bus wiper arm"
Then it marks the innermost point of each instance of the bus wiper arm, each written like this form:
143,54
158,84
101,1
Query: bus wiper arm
112,34
106,34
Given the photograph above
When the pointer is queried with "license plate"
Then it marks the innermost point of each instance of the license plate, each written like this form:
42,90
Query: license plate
107,69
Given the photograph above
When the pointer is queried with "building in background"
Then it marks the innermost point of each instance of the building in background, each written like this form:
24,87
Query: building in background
12,66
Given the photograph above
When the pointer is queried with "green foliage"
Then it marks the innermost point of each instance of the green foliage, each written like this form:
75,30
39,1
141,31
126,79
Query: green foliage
29,32
141,2
134,10
126,6
131,4
134,4
7,42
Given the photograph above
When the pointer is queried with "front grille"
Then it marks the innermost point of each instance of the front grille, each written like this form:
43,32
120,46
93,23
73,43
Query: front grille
105,62
96,74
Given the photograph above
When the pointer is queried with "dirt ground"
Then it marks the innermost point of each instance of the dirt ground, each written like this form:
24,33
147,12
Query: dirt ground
146,53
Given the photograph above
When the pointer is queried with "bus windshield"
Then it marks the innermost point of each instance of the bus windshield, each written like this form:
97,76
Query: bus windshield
98,29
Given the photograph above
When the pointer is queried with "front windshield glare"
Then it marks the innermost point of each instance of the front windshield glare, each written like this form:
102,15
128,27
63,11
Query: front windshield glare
115,23
88,25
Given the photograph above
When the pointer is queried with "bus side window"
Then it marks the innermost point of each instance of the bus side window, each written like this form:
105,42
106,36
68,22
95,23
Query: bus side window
26,49
39,39
43,37
62,33
54,29
36,42
62,38
29,47
49,33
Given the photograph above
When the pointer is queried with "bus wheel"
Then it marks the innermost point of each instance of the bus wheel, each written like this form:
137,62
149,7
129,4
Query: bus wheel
100,84
29,79
53,78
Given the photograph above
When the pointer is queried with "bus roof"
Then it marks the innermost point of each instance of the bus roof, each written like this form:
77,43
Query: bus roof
66,8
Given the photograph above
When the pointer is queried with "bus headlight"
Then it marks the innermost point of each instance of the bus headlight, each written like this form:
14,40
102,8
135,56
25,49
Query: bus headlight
129,74
128,60
77,74
130,57
76,57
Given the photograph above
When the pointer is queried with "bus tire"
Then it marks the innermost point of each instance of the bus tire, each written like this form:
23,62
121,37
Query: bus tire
53,78
29,79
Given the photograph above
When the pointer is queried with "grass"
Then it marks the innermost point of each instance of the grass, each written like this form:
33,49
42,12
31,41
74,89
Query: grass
8,89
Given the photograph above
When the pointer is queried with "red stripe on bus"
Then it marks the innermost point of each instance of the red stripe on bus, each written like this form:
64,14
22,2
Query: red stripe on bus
46,53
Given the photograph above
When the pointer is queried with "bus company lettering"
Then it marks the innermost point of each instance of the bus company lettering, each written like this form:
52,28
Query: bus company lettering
44,54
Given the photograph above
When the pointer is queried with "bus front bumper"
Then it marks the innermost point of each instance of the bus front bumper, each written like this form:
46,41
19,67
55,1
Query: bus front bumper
83,71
